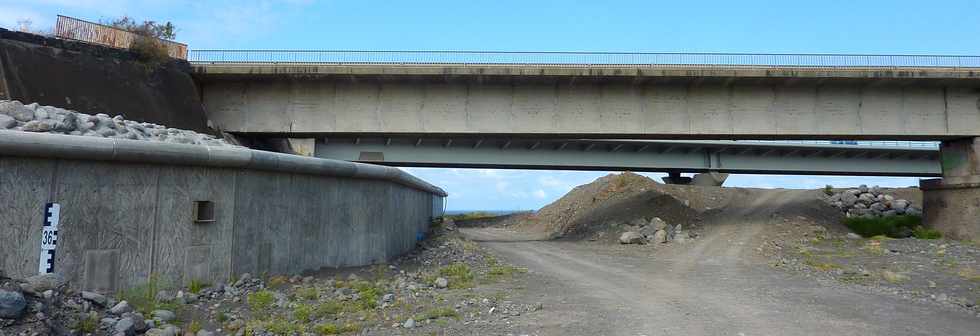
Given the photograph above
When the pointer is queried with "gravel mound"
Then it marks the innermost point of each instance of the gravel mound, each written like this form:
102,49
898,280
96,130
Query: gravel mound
618,203
48,119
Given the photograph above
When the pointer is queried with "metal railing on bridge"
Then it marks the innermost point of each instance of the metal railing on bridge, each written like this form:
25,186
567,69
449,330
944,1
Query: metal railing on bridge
562,59
869,143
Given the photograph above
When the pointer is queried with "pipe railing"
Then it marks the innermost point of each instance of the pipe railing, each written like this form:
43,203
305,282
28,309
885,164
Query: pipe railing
565,59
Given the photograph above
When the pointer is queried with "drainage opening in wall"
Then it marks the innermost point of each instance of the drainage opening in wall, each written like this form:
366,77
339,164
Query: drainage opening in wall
203,212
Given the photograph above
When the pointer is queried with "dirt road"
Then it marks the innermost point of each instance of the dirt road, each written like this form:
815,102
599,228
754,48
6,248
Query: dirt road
712,286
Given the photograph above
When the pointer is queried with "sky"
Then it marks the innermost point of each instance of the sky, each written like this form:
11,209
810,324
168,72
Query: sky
752,26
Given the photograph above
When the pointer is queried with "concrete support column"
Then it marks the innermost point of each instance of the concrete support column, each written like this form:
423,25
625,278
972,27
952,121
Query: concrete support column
952,204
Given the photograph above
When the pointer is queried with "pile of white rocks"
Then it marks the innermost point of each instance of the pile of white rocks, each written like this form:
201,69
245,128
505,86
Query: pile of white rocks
870,203
48,119
653,230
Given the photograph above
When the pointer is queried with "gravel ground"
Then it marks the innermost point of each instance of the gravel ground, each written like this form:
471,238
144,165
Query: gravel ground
719,284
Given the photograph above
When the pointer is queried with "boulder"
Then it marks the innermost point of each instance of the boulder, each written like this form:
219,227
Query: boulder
163,315
12,304
95,298
658,224
7,122
125,326
660,236
42,282
848,199
900,204
630,237
442,282
121,308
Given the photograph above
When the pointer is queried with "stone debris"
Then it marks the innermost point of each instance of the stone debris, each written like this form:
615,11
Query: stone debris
48,119
871,203
630,237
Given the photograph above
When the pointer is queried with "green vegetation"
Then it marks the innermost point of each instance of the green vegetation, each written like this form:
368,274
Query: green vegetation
148,45
193,327
894,227
303,312
329,308
459,275
436,313
307,293
261,300
828,190
280,326
333,329
926,233
369,294
277,280
498,271
143,298
88,324
471,216
195,286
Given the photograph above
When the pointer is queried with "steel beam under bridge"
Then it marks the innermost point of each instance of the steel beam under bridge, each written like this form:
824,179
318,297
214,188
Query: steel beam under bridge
635,155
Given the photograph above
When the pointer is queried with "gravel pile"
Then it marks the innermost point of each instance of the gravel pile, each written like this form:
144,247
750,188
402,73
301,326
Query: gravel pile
48,119
871,203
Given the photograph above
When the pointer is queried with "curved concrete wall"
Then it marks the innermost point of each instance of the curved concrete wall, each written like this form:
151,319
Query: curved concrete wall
127,210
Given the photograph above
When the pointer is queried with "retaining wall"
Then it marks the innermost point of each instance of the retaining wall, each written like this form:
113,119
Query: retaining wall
128,207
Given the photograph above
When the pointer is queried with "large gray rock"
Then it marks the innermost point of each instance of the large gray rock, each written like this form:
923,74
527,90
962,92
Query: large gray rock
12,304
442,282
125,326
42,282
900,204
630,237
121,308
16,110
848,199
94,297
7,122
163,315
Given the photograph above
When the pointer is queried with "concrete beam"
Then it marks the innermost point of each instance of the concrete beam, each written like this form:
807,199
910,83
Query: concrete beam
548,107
696,156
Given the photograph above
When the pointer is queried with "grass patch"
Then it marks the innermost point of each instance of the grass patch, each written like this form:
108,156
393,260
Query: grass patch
277,280
894,227
969,273
893,277
195,286
329,308
307,293
333,329
436,313
143,297
458,274
88,324
303,312
926,233
260,301
821,266
193,327
369,294
276,326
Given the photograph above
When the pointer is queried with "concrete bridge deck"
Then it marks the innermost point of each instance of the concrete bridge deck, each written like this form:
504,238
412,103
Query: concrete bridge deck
725,96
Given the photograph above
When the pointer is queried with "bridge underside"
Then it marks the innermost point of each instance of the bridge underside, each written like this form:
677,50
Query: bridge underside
636,155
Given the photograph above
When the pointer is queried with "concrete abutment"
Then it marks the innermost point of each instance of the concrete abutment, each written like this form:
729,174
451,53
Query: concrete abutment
952,204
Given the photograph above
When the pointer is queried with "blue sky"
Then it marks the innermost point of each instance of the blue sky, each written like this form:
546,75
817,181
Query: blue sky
829,26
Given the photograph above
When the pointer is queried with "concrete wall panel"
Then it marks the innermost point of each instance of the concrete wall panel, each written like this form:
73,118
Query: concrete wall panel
24,186
578,107
311,106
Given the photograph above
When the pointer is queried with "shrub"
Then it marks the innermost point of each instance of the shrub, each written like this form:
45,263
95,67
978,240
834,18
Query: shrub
895,226
195,286
194,327
828,190
303,312
308,293
327,329
368,293
328,308
150,51
458,274
926,233
143,297
88,324
260,301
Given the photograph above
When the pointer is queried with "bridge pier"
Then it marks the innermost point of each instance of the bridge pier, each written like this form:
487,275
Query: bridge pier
952,204
675,177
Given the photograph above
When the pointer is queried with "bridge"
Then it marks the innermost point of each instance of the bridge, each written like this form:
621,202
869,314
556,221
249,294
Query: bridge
592,101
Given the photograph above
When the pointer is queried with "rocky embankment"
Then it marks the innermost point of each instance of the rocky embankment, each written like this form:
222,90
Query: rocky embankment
448,285
16,116
871,202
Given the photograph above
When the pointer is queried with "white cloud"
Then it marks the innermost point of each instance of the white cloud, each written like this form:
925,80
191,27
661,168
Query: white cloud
540,194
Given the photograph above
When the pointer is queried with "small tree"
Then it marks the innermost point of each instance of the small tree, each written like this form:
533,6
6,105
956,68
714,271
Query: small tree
147,45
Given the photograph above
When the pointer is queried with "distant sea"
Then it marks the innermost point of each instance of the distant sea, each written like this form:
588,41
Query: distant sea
493,212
